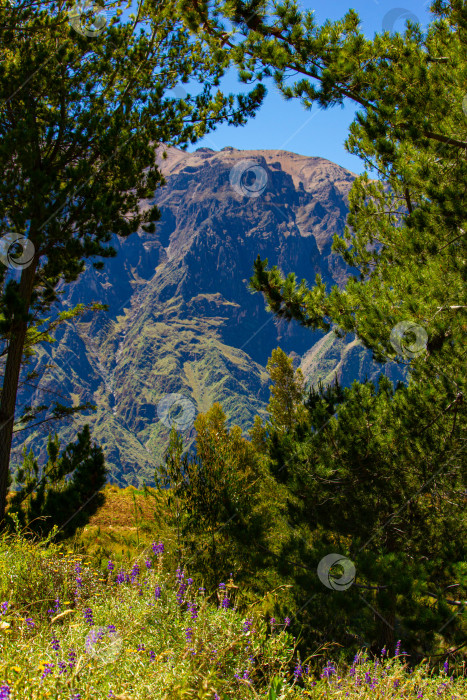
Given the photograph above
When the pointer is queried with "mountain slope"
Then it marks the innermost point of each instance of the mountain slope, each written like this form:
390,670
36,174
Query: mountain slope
181,319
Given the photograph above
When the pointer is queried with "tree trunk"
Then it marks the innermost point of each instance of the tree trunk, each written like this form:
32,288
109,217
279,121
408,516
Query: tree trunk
10,381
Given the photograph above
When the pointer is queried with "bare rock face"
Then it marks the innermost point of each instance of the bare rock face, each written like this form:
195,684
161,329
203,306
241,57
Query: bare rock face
181,319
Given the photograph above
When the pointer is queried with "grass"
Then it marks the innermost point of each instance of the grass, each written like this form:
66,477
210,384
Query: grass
70,630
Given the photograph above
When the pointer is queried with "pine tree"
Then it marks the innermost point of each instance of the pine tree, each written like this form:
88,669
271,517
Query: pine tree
383,481
84,107
64,492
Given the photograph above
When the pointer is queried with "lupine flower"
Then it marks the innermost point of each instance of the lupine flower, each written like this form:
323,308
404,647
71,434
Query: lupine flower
79,581
201,590
396,683
246,625
446,666
272,621
152,655
222,586
140,647
287,621
328,671
179,574
3,608
48,668
298,670
88,616
110,565
78,568
72,658
157,592
5,692
30,622
157,548
134,572
62,666
398,647
55,644
120,576
112,629
225,603
189,581
148,563
189,634
194,612
384,651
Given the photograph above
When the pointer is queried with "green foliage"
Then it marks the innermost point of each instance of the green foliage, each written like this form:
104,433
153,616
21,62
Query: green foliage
82,121
60,496
222,500
383,482
145,646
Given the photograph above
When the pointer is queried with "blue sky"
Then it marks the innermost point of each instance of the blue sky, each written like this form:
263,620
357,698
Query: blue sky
287,125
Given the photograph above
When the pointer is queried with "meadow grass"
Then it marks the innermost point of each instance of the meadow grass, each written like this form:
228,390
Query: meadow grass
71,631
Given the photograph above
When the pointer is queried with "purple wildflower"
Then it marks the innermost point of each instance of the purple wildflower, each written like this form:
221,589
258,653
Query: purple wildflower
148,563
398,648
157,592
5,692
272,621
62,667
88,616
189,634
110,565
120,576
48,668
222,586
446,666
225,603
328,671
157,548
55,644
247,624
287,622
152,655
72,658
30,622
189,581
298,671
3,608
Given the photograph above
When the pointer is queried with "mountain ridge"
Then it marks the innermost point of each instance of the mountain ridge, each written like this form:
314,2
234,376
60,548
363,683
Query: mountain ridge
181,319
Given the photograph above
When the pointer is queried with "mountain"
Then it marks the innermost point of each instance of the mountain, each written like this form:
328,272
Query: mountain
181,319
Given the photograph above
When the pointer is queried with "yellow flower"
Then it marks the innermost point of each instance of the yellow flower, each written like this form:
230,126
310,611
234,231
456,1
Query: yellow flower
16,668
